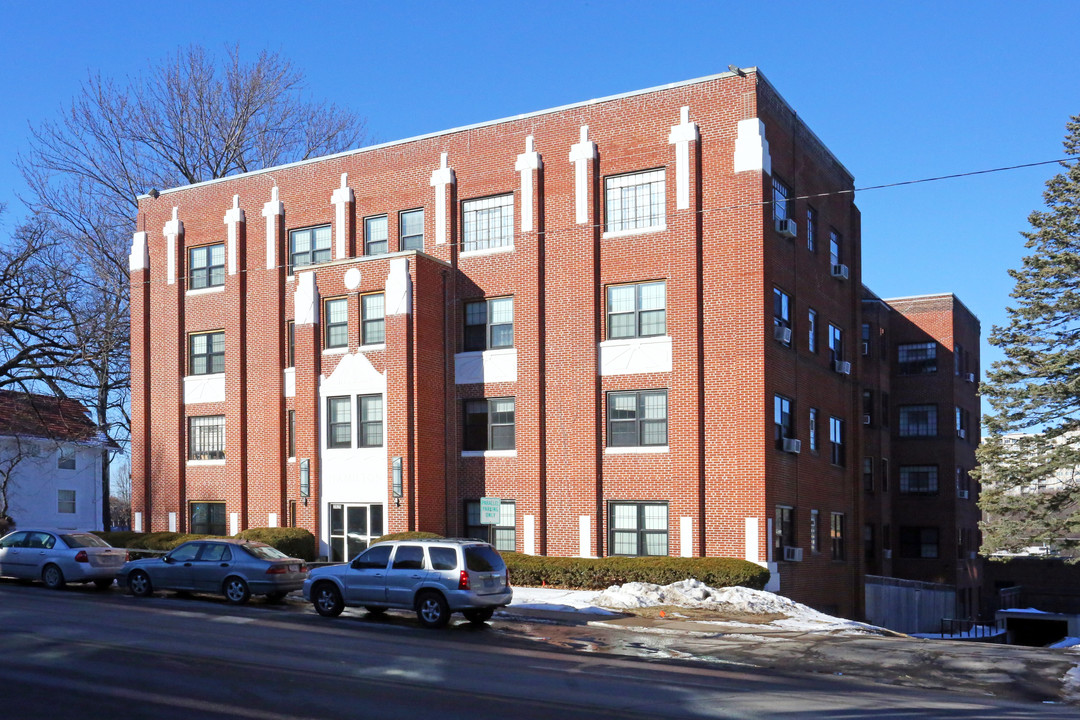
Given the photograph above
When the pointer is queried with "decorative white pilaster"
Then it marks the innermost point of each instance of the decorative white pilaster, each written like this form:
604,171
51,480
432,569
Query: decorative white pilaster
172,231
580,154
527,163
751,147
340,199
233,218
139,259
681,136
398,292
271,211
306,299
441,179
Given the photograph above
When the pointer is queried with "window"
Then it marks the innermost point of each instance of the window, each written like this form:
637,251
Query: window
961,422
635,201
919,542
375,558
812,330
206,353
638,528
868,407
309,247
372,319
488,223
489,424
206,437
206,266
637,419
835,255
784,530
869,549
813,430
918,421
866,339
916,358
65,501
884,420
208,518
292,434
352,528
958,355
811,229
337,323
963,482
884,474
836,343
837,536
815,544
505,531
637,310
836,440
290,344
783,420
375,235
919,479
66,459
411,230
489,324
868,474
369,408
782,315
338,423
886,537
781,203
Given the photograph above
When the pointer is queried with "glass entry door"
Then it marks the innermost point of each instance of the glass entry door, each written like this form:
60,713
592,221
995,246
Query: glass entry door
352,528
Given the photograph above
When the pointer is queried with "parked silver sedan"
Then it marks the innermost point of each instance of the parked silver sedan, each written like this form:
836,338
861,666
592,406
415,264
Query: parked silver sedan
57,557
234,568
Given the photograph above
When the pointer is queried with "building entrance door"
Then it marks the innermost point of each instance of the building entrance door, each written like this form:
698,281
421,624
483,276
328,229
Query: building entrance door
352,528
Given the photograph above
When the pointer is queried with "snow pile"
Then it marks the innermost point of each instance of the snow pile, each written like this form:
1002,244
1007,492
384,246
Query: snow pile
1067,643
1070,685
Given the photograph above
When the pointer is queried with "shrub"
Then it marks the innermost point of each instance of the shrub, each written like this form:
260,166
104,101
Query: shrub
601,573
294,542
413,535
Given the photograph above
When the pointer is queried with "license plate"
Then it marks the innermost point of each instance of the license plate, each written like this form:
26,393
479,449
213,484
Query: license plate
294,568
489,582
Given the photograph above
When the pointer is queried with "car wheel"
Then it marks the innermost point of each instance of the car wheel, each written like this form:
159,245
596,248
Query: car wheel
139,584
432,610
236,590
327,600
275,597
375,610
103,584
478,616
52,577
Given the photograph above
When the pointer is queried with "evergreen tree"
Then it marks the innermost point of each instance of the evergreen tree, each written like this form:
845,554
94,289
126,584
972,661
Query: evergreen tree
1031,454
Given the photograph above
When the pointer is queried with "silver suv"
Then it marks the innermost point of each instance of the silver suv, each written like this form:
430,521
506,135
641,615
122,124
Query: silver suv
433,577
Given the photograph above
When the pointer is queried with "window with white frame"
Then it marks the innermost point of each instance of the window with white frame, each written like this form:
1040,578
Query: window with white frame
638,528
505,530
489,424
206,353
338,422
376,235
638,310
336,326
65,501
488,223
206,437
369,410
635,201
372,319
411,230
638,418
309,246
489,324
918,420
919,479
206,266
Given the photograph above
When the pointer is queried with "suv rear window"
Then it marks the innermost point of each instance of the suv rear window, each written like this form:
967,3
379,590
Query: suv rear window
483,558
443,558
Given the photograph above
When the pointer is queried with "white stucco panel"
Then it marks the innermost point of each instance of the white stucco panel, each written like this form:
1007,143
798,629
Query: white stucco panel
290,382
751,147
634,356
204,388
398,291
486,367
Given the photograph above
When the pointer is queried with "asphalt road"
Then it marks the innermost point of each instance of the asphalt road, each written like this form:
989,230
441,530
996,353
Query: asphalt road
80,654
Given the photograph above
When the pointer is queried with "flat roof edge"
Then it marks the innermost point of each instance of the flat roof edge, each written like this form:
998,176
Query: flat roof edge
935,296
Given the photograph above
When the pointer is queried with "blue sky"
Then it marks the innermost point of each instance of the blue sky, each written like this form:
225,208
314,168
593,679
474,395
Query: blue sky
897,90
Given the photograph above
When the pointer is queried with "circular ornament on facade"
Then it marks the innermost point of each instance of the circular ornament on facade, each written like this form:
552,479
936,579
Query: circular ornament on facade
352,278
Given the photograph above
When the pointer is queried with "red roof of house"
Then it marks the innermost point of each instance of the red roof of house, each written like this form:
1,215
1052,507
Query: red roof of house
45,416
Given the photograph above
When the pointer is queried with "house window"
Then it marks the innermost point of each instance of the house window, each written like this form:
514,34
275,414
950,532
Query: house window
638,528
207,518
919,542
488,223
411,230
66,459
352,528
835,255
813,430
784,530
919,479
815,544
837,536
489,424
836,440
638,310
868,407
372,319
781,203
370,411
916,358
337,323
868,474
866,339
65,501
811,229
505,530
836,343
812,330
375,235
206,437
918,421
292,434
338,423
637,419
206,266
489,324
782,316
309,247
290,344
783,420
206,353
635,201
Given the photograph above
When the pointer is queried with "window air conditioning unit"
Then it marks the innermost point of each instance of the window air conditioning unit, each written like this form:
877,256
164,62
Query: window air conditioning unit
792,446
783,334
840,271
865,419
842,366
787,228
963,494
887,554
961,433
792,554
970,377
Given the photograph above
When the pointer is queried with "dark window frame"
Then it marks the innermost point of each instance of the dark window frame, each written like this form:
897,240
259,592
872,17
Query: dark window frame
836,441
478,414
338,429
638,312
782,312
369,244
206,438
623,210
339,328
486,334
641,423
505,536
315,255
372,328
912,426
366,425
783,530
410,241
216,518
476,218
920,542
642,533
213,359
920,480
783,419
205,273
916,358
837,535
783,203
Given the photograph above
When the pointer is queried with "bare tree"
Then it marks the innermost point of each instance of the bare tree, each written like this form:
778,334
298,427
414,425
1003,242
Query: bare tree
13,450
120,498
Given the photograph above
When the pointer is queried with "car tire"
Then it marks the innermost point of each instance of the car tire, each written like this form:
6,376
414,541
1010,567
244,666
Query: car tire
432,610
236,591
52,576
478,616
327,600
375,610
103,584
139,584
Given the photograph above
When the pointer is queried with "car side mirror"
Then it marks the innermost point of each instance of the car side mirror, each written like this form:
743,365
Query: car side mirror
167,559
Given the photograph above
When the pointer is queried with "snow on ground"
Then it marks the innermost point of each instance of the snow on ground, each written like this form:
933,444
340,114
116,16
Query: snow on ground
1069,642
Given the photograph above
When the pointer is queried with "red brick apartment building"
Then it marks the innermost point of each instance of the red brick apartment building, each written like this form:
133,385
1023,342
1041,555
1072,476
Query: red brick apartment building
634,320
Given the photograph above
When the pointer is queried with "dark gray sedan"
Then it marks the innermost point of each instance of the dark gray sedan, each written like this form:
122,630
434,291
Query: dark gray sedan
59,557
234,568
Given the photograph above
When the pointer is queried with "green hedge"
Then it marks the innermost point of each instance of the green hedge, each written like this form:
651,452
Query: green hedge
415,535
294,542
601,573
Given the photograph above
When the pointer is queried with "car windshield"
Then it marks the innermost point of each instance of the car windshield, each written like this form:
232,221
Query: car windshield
84,540
483,558
264,552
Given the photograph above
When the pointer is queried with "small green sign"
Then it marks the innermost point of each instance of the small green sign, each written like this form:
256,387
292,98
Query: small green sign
489,510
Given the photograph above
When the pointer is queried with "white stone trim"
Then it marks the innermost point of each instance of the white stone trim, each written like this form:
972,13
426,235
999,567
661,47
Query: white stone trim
271,520
527,163
751,147
635,356
306,299
398,289
528,534
681,136
289,382
234,523
686,537
638,450
204,463
486,251
580,155
441,178
139,259
204,388
271,211
172,522
371,348
336,350
206,291
488,453
585,536
750,551
340,199
138,522
233,218
486,366
610,234
173,229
